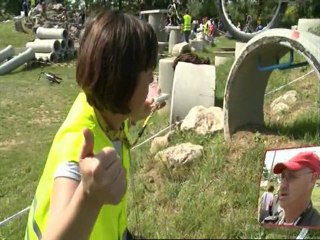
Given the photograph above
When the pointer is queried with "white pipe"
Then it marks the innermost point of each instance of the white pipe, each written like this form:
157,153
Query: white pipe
45,46
50,57
51,33
17,61
63,42
6,53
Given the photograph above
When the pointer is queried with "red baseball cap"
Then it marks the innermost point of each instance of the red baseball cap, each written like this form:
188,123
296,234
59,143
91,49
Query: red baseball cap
303,159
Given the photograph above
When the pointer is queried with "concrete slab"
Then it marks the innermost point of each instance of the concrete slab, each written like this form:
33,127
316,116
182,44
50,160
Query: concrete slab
193,85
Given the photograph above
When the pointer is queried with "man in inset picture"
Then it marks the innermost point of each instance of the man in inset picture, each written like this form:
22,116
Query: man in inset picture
298,178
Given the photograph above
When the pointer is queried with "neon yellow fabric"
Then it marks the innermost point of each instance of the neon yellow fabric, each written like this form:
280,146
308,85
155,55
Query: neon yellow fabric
112,220
186,22
206,28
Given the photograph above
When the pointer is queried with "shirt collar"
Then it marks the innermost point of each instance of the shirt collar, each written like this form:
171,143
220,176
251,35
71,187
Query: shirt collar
113,135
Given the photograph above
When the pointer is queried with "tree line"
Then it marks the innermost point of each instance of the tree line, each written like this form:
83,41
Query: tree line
198,8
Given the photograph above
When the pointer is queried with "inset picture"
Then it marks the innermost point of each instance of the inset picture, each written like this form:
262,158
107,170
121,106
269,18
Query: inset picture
290,188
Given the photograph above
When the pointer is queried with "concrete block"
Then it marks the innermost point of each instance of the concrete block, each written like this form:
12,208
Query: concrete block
193,85
197,44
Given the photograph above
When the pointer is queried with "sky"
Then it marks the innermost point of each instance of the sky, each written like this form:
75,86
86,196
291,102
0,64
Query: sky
283,155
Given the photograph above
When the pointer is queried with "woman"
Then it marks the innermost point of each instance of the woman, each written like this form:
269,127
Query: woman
82,191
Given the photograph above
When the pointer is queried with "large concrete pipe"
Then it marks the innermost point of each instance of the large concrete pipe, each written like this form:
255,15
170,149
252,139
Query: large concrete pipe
17,61
193,85
156,18
70,44
45,46
166,80
246,85
309,25
51,33
63,43
6,53
47,57
175,36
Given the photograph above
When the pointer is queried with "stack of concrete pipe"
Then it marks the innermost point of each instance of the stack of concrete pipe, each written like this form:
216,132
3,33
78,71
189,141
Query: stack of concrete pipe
10,62
52,44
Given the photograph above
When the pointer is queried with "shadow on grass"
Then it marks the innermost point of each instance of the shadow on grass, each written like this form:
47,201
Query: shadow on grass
303,128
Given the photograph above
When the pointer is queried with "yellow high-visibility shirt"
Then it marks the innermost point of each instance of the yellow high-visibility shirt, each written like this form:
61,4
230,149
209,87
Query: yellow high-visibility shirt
67,144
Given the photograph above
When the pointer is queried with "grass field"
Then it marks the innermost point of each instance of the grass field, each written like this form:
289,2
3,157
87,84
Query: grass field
216,197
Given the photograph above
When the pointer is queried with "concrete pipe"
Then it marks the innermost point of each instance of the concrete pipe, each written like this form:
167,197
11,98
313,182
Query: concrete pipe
309,25
197,44
71,53
193,85
246,84
17,61
63,43
51,33
47,57
156,18
45,46
239,48
6,53
166,80
222,57
70,44
175,36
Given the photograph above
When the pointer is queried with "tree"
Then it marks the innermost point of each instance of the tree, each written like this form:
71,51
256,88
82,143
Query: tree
202,8
11,7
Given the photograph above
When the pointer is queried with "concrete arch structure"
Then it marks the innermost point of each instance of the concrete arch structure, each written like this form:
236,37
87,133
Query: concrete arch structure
246,85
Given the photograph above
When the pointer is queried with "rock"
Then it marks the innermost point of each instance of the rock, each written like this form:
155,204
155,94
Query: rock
284,102
160,143
203,120
180,155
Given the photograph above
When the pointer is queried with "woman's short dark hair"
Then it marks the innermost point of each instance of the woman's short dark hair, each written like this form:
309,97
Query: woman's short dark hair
115,48
270,188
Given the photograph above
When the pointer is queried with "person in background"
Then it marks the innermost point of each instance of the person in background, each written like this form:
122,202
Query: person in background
265,203
186,25
239,26
259,26
82,190
275,207
25,8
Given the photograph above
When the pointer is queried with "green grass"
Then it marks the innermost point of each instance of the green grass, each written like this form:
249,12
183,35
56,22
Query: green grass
31,111
214,197
16,39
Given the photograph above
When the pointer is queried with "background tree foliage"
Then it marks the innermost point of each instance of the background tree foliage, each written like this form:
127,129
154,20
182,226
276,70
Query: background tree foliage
237,9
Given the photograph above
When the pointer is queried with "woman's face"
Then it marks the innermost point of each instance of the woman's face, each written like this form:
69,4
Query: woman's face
137,102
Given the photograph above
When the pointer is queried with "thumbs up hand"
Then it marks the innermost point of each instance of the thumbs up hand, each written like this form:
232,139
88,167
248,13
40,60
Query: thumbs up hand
102,175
